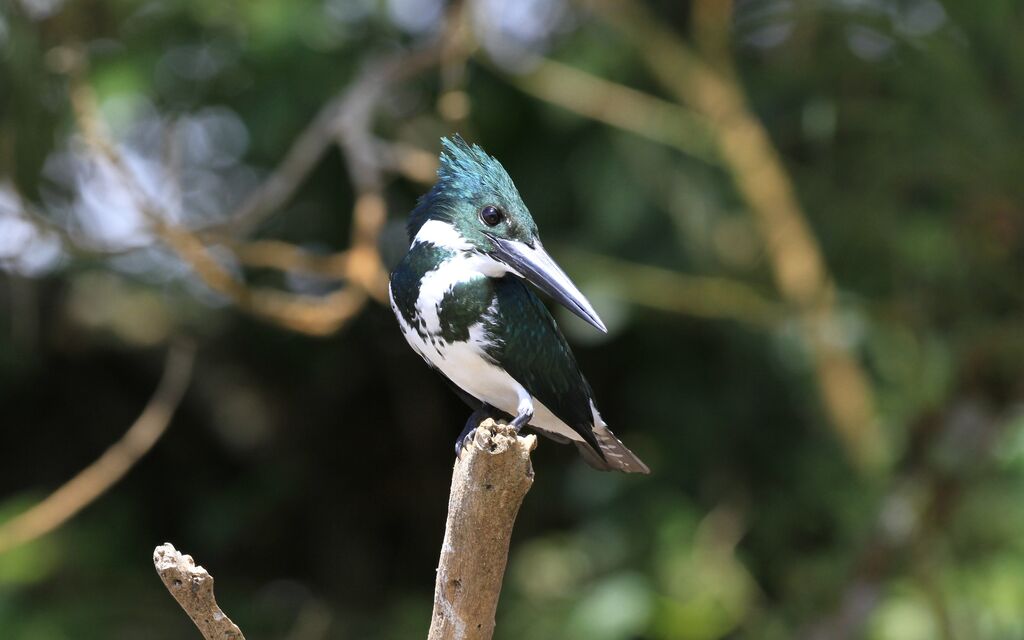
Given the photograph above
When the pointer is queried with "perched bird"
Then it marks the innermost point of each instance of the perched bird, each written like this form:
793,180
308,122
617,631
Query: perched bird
462,303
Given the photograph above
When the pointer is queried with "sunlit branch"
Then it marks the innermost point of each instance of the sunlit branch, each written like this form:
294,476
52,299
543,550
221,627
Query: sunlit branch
674,292
414,163
287,257
98,477
797,262
345,118
192,586
353,134
314,315
620,106
489,482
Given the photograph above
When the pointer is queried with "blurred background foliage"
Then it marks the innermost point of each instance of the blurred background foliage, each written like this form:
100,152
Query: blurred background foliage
836,455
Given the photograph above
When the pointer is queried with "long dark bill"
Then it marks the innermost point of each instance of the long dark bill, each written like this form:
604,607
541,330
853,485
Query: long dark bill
536,266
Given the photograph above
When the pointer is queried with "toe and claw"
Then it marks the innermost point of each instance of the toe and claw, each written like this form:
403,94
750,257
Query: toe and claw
521,420
481,414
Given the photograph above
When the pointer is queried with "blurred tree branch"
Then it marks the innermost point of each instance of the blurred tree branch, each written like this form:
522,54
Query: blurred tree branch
344,117
346,120
284,256
489,481
412,162
716,126
620,106
721,129
645,285
90,483
363,270
799,268
674,292
192,586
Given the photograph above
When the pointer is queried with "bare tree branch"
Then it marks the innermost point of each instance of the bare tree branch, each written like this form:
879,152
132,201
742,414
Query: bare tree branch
287,257
98,477
192,586
685,294
489,482
345,119
799,267
412,162
620,106
313,315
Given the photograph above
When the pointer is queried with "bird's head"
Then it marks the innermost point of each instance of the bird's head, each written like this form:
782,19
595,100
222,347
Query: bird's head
474,207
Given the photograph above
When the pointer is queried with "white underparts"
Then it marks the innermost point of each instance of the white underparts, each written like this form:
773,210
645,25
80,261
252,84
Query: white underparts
443,234
525,405
466,363
437,283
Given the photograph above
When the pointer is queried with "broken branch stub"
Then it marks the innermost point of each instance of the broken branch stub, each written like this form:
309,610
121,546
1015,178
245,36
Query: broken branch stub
192,586
489,482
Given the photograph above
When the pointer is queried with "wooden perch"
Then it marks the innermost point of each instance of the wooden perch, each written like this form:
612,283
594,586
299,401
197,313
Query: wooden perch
192,586
489,481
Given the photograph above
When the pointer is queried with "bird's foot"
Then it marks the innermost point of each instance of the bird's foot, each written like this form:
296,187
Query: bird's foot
472,423
521,420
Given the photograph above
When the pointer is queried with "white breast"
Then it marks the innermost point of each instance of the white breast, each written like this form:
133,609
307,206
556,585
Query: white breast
466,364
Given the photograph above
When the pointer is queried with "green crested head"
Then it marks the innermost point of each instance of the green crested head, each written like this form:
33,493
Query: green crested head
475,195
475,215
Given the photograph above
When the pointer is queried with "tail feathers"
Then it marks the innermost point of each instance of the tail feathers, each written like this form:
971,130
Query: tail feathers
616,457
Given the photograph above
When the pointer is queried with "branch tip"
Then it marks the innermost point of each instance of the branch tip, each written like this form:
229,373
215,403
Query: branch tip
192,586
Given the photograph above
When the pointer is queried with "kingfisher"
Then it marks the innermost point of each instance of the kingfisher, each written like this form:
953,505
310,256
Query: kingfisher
463,303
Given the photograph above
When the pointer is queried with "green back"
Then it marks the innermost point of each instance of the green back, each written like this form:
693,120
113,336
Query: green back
530,347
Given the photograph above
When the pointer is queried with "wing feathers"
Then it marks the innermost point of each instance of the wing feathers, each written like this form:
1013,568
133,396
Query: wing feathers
616,455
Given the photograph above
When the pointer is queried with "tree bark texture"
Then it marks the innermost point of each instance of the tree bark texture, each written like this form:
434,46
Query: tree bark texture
192,586
489,481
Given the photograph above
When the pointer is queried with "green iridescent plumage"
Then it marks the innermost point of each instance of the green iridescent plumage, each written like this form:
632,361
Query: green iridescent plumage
532,349
466,179
461,298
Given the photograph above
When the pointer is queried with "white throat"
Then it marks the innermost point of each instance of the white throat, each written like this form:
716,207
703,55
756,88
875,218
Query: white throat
443,234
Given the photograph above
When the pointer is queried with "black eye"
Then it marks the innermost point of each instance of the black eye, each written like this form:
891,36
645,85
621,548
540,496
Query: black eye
491,215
